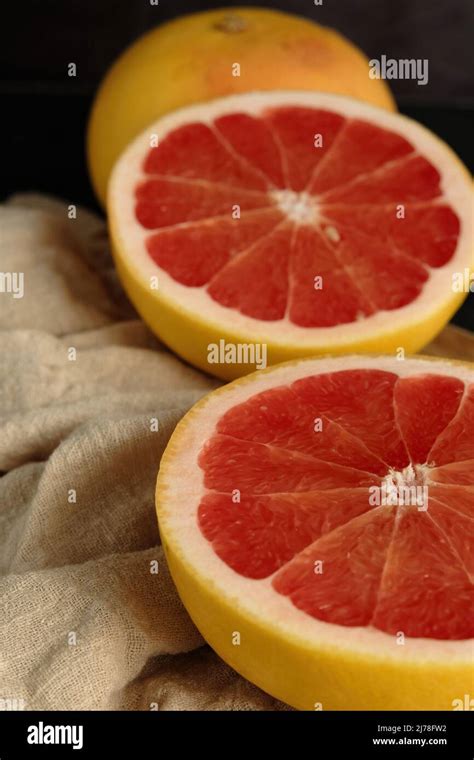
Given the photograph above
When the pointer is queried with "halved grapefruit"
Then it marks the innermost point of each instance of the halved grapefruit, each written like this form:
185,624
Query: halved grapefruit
292,565
303,222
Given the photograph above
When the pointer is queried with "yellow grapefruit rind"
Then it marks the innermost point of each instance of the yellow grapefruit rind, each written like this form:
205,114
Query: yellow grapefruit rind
306,675
189,331
190,58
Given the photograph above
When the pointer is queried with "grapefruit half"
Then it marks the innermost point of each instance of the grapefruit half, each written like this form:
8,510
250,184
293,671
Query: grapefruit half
295,575
300,222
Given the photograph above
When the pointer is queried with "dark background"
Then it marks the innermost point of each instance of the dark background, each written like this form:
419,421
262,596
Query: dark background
44,112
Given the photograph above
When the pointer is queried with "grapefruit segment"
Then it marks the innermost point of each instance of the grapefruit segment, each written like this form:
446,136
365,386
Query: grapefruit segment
282,530
425,590
306,136
344,160
168,202
428,235
456,442
252,139
362,255
350,398
238,285
374,225
282,470
407,180
459,498
283,523
195,151
424,406
322,292
337,578
211,243
457,473
281,418
458,530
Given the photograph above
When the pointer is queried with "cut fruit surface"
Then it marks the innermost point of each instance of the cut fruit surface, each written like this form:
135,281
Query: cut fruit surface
324,509
306,222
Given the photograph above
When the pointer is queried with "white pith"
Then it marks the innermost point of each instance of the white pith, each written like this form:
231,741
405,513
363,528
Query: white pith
437,291
301,207
180,496
406,487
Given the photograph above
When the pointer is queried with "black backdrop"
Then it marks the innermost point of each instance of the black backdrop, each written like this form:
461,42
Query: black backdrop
44,112
44,34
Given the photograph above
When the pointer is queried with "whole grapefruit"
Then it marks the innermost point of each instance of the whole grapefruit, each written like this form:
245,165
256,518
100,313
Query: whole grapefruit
207,55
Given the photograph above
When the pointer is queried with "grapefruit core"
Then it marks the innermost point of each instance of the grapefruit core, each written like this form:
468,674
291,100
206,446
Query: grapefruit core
293,572
306,222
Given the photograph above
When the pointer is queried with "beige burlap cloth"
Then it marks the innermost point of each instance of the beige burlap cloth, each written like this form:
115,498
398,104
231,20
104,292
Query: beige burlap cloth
84,623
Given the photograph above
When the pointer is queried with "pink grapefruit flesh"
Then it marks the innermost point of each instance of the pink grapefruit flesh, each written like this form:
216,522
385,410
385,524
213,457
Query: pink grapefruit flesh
297,203
297,493
275,511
